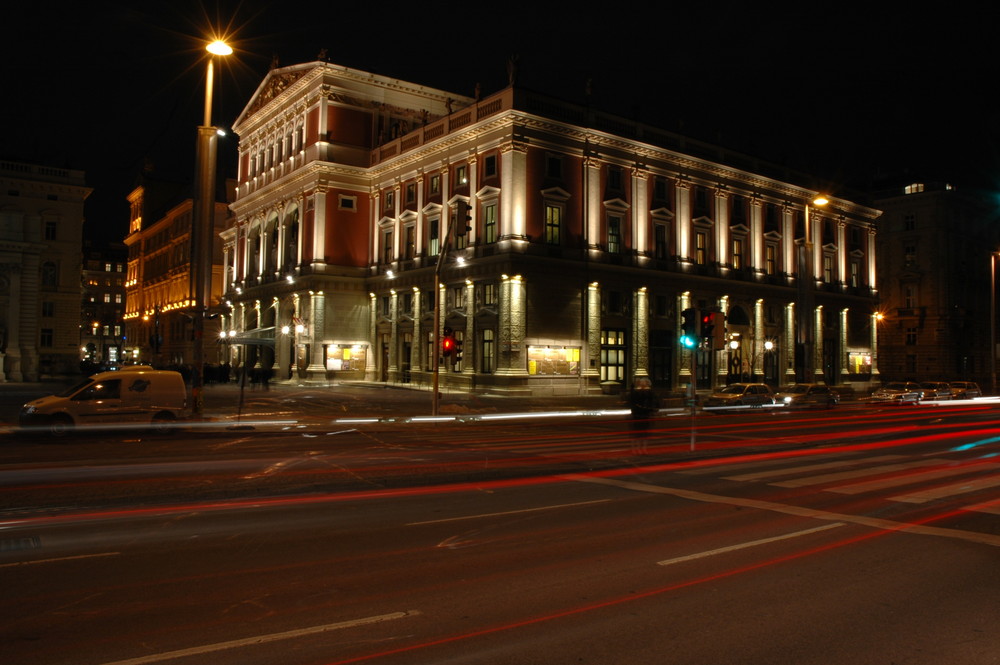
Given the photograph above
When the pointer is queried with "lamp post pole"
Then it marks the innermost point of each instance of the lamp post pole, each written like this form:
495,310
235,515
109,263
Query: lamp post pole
202,223
993,323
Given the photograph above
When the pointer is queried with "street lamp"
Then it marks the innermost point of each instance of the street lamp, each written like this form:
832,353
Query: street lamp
804,308
202,223
993,322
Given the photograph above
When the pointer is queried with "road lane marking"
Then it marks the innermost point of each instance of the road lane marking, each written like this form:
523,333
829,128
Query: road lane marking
910,478
508,512
58,559
791,470
973,485
858,473
262,639
873,522
752,543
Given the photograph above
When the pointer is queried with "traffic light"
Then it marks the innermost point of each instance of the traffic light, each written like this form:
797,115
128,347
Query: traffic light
463,219
708,326
447,342
458,350
689,328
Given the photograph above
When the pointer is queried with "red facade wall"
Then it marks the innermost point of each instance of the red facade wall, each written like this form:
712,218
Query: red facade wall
347,231
349,126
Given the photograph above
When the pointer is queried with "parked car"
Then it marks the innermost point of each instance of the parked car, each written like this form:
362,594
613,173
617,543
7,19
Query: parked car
965,390
807,394
899,392
936,390
742,394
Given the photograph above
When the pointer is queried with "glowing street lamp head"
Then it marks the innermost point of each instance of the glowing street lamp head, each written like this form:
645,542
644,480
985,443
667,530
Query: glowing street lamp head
820,200
219,47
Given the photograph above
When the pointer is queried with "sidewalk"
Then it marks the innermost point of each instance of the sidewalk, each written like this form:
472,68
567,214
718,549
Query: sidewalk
357,400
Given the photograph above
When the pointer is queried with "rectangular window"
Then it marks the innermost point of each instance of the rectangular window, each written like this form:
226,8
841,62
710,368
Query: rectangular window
553,361
660,240
553,224
911,336
46,338
435,184
390,201
410,246
490,223
461,176
488,352
614,178
855,274
434,240
458,297
387,246
553,167
737,253
107,297
828,269
701,248
490,293
50,230
490,166
770,260
613,355
48,308
614,234
909,296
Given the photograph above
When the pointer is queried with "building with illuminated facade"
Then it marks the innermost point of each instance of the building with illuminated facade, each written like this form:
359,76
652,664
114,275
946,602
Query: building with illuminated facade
159,295
41,236
102,323
587,236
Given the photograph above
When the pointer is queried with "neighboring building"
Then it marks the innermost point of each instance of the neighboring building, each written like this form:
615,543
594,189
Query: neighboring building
935,246
588,235
41,231
159,294
102,323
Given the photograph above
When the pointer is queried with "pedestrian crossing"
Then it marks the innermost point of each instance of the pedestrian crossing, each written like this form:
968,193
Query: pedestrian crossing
897,478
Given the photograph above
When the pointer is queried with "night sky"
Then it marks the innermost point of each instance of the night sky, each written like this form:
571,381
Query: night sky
843,91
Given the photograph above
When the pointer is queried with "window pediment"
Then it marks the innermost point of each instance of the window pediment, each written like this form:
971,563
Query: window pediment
774,236
488,193
616,204
741,229
433,209
703,222
386,222
662,214
556,194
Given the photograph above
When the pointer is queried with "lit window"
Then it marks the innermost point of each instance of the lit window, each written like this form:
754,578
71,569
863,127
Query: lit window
553,224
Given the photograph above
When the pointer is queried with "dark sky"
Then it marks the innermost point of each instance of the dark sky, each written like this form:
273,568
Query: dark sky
841,90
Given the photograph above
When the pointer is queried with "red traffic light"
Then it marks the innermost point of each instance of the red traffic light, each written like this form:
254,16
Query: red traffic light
447,345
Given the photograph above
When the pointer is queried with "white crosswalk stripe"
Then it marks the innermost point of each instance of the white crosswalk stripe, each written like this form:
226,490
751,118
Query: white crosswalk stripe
855,476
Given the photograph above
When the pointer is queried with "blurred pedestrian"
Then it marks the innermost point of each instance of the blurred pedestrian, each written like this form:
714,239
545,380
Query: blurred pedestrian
644,404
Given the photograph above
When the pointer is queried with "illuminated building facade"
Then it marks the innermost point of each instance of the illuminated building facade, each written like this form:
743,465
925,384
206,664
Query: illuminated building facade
934,283
102,323
41,245
587,236
158,291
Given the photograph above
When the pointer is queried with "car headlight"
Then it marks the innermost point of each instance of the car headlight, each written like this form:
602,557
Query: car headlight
28,410
787,400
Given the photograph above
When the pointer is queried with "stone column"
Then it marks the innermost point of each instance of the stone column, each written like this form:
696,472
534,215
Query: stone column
640,335
512,328
316,371
788,343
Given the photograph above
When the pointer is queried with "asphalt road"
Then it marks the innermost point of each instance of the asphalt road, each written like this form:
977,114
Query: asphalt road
848,537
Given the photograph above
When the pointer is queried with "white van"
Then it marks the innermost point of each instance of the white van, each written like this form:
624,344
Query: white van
134,394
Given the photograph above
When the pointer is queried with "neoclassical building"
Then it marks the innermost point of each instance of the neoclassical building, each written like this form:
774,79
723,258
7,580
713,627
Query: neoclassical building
581,238
41,249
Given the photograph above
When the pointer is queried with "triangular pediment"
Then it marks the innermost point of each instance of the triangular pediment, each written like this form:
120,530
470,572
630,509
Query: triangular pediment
275,83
